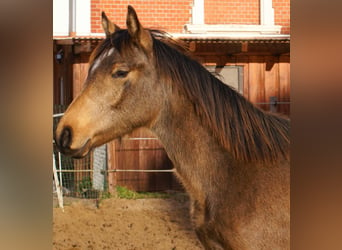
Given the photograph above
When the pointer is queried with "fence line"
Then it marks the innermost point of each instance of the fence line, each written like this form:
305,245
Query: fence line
271,103
115,170
139,138
143,170
74,170
57,115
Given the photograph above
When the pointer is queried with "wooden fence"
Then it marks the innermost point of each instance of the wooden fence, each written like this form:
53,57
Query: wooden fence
140,151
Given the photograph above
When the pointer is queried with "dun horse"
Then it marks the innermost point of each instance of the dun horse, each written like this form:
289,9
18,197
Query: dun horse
232,158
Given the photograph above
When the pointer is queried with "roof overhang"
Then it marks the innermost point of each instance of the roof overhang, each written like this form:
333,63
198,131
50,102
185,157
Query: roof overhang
243,41
232,38
203,37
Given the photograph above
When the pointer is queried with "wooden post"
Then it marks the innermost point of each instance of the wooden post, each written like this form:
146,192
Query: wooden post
111,164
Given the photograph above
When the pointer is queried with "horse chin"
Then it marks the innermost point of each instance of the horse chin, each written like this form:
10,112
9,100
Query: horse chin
80,152
81,155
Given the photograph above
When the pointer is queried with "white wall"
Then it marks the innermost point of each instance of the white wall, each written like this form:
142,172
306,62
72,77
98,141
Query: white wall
266,12
71,16
83,21
60,17
198,12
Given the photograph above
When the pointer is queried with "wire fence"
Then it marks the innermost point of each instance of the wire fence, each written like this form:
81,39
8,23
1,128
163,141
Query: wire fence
85,178
79,178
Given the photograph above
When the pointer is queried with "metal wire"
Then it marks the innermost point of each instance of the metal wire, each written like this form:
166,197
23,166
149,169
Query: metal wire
117,170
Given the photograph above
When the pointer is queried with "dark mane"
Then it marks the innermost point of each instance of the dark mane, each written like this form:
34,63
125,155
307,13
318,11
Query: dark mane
249,133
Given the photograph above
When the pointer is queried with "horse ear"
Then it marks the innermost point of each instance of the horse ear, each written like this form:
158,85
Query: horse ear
108,27
136,30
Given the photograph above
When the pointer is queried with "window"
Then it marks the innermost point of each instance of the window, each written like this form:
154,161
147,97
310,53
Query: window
230,75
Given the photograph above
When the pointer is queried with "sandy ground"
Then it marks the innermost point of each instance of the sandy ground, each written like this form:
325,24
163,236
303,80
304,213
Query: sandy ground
124,224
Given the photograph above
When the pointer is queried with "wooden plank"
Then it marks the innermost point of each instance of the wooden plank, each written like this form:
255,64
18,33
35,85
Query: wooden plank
229,60
128,158
256,79
67,74
244,62
63,75
242,59
142,155
84,74
145,161
244,47
111,160
271,79
284,83
80,71
76,80
64,41
164,181
246,80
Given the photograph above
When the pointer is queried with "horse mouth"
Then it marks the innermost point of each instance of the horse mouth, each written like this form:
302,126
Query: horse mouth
77,153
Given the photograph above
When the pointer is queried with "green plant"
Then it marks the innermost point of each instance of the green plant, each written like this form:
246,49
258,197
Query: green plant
85,188
105,195
125,193
85,184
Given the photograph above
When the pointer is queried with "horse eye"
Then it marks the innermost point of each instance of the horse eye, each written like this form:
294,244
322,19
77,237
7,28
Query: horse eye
120,74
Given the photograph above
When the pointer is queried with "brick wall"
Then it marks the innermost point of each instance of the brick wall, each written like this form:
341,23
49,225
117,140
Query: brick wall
232,12
172,15
282,14
245,12
163,14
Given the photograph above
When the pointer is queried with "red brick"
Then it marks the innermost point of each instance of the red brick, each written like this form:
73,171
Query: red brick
172,15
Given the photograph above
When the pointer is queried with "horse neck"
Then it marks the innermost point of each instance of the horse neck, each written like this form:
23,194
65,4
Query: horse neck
184,137
203,165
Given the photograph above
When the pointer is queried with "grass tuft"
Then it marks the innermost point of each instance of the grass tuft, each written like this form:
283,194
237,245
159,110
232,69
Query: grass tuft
125,193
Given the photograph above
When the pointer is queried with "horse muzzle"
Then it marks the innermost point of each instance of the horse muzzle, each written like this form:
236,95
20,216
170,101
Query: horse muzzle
64,141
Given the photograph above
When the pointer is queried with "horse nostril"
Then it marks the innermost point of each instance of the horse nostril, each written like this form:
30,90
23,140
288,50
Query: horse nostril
65,139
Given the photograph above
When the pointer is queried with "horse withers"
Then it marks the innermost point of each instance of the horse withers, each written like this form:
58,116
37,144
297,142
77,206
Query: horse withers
232,158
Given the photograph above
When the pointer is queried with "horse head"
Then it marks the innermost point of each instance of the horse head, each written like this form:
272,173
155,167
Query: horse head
119,93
